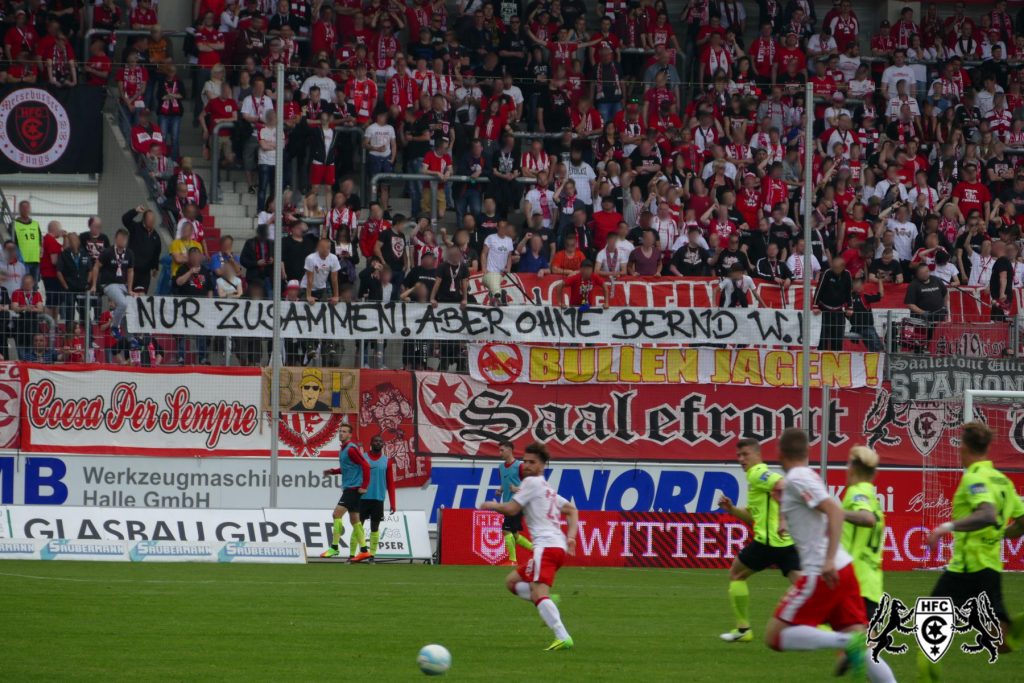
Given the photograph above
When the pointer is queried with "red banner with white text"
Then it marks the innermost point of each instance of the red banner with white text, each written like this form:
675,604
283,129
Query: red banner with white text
203,412
699,292
458,416
675,540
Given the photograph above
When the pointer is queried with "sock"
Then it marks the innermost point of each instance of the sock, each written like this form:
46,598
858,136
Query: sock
355,538
739,596
510,546
524,542
523,590
549,613
879,672
374,541
810,638
336,535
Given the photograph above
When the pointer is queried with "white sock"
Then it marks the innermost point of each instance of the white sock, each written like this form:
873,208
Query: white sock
810,638
879,672
523,590
549,613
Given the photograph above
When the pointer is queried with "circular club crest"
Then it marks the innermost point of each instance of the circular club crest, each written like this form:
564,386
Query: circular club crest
500,363
34,128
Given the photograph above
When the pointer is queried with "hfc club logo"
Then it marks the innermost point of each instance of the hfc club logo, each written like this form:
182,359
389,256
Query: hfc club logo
34,128
935,621
488,538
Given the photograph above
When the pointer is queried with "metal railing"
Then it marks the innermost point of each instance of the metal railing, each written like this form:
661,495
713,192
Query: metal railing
6,215
435,185
215,193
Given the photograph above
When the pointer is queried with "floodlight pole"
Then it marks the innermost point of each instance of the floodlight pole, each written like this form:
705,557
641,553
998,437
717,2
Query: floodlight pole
275,344
805,409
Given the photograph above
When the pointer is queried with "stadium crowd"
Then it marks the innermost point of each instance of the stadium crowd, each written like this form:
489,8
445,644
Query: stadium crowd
596,143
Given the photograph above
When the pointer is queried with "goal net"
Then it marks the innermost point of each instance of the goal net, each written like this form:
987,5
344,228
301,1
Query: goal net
1003,412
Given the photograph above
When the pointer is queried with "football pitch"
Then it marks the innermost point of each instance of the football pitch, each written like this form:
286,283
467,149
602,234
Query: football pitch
97,621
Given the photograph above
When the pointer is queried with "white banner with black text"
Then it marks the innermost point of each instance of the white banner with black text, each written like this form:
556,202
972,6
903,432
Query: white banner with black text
400,320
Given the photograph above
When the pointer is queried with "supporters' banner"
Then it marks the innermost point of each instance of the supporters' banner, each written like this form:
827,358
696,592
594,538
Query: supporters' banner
202,412
51,130
459,416
516,324
941,378
696,292
386,410
634,539
977,339
496,363
314,390
10,405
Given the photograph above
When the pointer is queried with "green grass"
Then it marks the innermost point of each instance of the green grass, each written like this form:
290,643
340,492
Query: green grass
96,621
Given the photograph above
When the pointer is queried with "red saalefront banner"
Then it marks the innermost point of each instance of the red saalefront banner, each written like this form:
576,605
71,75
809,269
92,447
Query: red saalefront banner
676,540
458,416
972,302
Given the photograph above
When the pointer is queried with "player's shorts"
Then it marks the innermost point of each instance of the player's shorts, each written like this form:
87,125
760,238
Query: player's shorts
350,499
759,557
961,586
321,174
810,602
372,510
542,567
513,523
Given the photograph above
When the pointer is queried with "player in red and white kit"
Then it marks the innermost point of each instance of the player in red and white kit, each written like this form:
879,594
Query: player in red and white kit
827,591
543,510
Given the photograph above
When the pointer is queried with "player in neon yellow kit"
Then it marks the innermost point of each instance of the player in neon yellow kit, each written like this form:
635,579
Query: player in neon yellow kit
864,529
770,545
984,505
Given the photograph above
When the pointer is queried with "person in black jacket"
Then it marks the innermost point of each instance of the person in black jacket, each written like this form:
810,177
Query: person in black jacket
771,269
323,153
144,243
862,320
294,249
257,258
833,296
74,272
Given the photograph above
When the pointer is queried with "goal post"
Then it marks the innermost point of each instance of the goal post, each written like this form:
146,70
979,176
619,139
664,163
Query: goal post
972,395
1003,412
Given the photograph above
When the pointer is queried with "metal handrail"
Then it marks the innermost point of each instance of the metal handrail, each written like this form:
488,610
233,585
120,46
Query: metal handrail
6,215
139,32
434,182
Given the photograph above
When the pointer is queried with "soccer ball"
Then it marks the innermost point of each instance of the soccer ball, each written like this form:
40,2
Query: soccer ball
434,660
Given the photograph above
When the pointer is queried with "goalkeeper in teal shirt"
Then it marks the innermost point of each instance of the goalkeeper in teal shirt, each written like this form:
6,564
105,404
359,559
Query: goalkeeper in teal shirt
511,478
371,506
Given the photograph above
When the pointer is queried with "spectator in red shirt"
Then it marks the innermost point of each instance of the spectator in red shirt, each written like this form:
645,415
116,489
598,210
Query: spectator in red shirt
219,109
437,162
606,222
52,246
971,195
131,85
583,287
99,65
145,133
21,36
143,17
28,303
